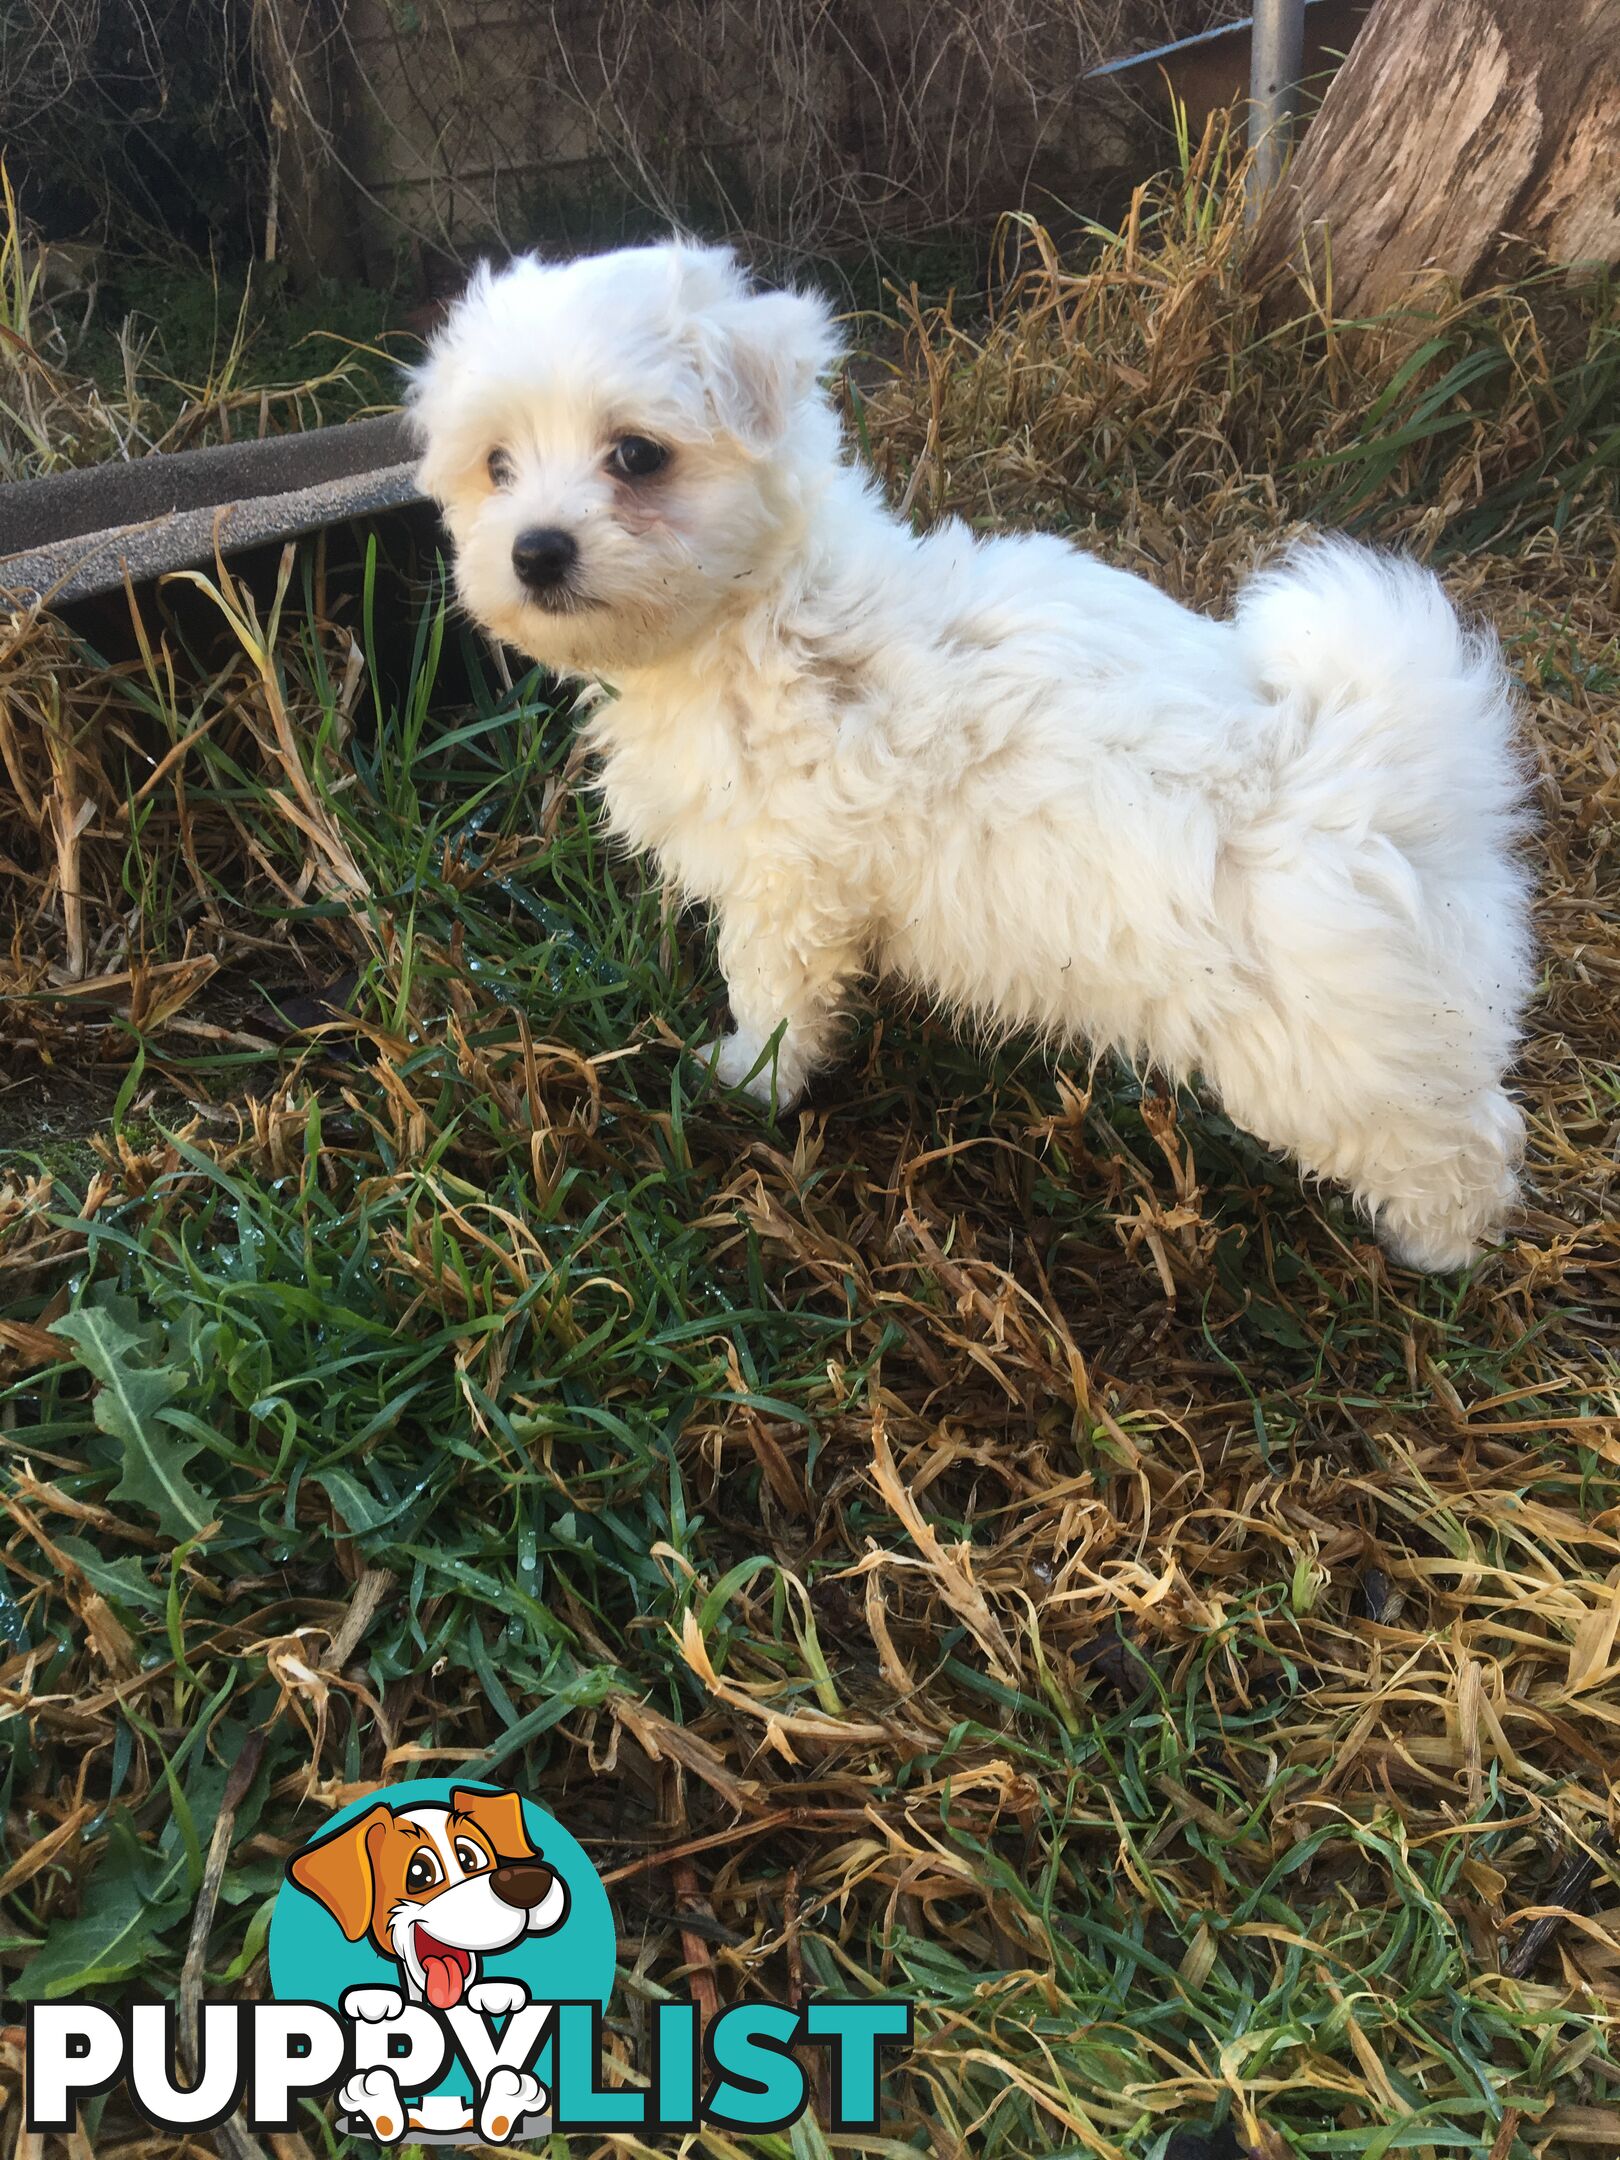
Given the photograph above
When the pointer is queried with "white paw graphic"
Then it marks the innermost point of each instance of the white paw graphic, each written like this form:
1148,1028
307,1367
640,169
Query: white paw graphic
372,2005
508,2097
497,1998
375,2095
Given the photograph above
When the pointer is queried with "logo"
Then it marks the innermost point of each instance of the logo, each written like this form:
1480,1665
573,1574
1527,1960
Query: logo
441,1957
429,1917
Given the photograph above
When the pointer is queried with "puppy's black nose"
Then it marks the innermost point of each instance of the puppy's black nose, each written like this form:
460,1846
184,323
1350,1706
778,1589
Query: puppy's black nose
543,556
520,1882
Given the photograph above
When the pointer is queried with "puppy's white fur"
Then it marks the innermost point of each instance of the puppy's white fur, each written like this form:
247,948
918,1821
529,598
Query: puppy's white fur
1277,851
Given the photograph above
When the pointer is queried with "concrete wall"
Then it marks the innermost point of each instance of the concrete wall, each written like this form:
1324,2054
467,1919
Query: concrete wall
811,124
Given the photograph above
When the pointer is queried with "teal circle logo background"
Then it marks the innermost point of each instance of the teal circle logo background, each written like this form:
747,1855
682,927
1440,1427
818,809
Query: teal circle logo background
312,1960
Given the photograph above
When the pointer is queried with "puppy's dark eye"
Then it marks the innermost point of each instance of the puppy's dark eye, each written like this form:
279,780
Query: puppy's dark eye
637,457
423,1872
500,468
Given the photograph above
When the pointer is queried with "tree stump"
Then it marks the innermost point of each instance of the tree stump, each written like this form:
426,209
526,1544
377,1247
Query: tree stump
1457,134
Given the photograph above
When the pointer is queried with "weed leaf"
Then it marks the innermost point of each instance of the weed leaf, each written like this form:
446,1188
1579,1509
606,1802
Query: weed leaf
130,1900
133,1390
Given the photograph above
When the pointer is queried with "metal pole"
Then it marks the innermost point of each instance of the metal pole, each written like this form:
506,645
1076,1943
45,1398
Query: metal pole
1276,64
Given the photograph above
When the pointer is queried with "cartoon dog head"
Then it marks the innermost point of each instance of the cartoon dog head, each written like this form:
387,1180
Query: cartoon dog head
619,444
436,1886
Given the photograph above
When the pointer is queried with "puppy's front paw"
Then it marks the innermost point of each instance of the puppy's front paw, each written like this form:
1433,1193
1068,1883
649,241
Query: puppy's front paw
733,1058
497,1998
372,2005
508,2097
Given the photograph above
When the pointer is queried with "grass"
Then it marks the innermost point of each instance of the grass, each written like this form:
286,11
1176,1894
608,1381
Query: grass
990,1535
157,357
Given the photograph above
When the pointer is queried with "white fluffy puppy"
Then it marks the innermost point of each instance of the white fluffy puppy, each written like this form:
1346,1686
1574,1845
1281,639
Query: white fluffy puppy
1278,851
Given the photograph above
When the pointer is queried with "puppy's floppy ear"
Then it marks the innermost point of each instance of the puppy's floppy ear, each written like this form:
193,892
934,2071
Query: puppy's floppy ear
338,1872
500,1816
759,353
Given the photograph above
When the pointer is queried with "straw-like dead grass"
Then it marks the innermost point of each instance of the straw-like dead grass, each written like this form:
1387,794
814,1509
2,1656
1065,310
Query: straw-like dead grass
57,410
993,1537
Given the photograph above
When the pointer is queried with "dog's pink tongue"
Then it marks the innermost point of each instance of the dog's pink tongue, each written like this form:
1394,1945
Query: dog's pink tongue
443,1977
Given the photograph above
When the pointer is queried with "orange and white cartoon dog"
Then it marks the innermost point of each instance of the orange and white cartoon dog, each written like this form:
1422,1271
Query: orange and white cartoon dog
437,1888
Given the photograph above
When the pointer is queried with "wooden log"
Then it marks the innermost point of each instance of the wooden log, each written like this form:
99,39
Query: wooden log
1458,137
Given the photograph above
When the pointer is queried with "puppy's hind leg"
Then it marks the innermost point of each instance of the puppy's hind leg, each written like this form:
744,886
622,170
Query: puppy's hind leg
1451,1194
375,2096
1431,1162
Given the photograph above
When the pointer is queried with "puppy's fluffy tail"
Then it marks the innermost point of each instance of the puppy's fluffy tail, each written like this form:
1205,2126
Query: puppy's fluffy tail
1387,891
1406,723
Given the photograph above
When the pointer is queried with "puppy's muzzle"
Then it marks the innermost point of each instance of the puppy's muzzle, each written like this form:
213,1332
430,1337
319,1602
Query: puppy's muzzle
520,1882
543,558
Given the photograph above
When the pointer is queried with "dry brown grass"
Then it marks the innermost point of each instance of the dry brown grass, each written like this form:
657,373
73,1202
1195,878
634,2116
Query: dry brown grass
58,410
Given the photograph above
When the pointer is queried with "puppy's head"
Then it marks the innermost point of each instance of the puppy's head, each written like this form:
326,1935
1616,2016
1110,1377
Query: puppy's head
437,1887
620,446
